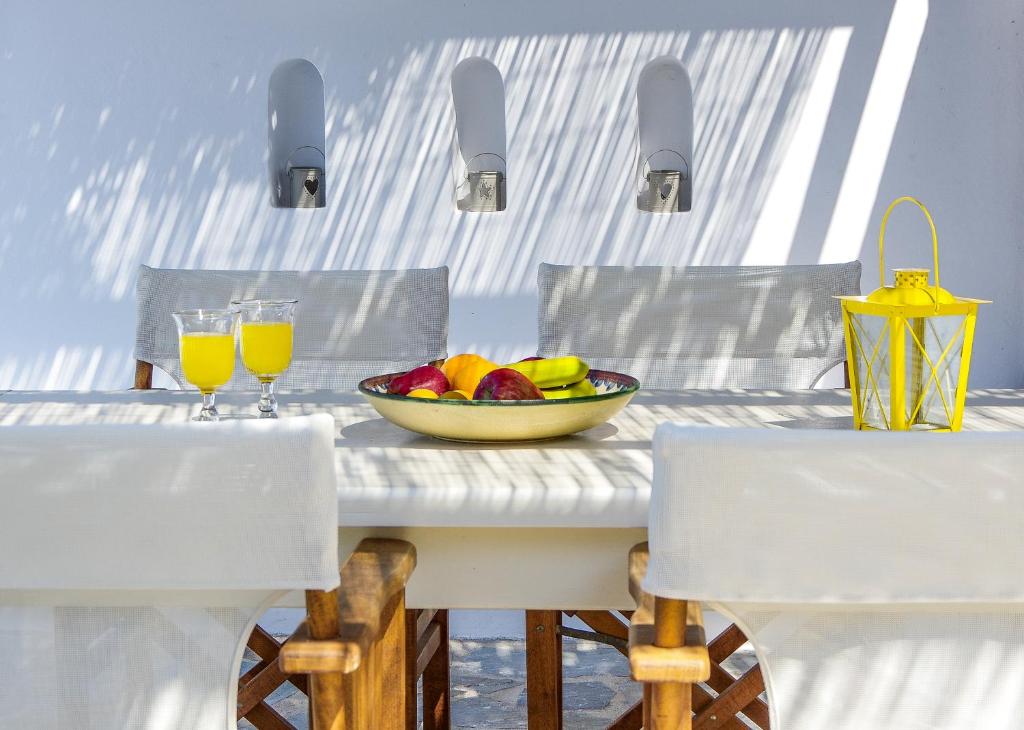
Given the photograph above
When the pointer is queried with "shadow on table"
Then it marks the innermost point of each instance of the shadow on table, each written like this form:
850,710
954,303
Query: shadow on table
837,423
365,433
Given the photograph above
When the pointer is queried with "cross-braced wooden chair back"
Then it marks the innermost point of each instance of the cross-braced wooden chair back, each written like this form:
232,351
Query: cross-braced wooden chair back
699,326
876,575
131,578
349,325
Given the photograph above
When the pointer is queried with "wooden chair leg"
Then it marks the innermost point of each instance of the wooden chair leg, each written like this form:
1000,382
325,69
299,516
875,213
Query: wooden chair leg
393,667
411,676
325,690
543,670
670,708
668,651
143,375
437,693
372,696
670,701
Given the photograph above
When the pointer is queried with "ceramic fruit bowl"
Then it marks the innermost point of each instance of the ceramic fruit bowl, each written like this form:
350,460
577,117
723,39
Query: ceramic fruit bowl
502,421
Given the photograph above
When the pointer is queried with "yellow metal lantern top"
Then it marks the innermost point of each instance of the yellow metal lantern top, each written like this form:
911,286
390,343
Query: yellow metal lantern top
912,294
912,289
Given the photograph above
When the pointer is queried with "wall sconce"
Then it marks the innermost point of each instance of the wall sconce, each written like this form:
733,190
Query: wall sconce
664,103
306,178
296,137
478,97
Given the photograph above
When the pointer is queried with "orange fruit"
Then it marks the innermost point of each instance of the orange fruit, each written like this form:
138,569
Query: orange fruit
465,371
423,393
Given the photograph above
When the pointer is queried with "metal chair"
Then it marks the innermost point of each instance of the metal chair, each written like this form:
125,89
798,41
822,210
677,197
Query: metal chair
675,328
349,325
138,581
877,580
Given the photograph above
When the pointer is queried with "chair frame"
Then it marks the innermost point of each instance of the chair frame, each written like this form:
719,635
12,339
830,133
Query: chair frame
352,644
143,375
668,652
544,667
425,642
425,651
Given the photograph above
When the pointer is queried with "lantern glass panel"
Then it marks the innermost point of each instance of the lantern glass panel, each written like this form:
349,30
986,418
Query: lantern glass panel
934,349
871,368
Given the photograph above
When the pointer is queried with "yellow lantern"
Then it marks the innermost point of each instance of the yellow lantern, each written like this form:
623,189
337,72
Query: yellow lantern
908,348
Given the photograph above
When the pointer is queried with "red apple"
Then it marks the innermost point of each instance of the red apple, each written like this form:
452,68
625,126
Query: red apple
425,376
507,384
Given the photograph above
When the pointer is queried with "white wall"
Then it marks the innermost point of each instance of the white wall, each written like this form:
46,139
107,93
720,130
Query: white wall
137,134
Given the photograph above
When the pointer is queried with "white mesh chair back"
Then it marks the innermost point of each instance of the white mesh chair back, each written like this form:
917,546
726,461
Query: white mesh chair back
137,558
877,575
349,325
698,326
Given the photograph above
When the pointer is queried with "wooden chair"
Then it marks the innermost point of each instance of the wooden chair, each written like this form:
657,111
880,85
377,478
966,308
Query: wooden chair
865,609
675,328
349,325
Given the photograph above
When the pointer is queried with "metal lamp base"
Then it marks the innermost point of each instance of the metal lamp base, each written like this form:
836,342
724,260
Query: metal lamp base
486,193
668,191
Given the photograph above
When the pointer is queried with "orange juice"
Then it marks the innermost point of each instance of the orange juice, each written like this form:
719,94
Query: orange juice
208,359
266,347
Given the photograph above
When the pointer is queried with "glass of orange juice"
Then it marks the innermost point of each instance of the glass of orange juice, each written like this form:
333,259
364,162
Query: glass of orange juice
266,339
206,342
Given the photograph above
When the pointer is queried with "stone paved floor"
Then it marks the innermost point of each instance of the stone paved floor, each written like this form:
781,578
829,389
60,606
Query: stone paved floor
489,684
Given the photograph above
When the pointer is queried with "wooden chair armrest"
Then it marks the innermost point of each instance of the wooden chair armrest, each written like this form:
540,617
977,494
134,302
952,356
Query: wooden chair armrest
683,659
344,623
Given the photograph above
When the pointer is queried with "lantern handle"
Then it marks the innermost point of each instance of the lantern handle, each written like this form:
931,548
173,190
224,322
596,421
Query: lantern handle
935,240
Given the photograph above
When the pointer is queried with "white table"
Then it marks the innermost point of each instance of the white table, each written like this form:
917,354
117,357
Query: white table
542,525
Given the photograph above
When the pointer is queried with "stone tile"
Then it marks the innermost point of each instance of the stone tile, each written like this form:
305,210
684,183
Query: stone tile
586,658
499,658
295,710
586,696
577,696
488,711
469,686
284,692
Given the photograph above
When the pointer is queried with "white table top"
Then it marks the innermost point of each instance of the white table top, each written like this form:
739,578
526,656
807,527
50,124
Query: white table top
389,477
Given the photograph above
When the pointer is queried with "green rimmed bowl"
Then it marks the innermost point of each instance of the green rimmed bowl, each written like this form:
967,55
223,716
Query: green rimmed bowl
495,420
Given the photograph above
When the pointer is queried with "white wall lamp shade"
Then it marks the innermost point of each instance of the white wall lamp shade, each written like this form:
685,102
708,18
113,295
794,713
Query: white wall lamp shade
664,174
295,131
478,98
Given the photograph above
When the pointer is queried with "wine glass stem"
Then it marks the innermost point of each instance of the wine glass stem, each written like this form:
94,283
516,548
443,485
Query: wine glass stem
268,403
209,411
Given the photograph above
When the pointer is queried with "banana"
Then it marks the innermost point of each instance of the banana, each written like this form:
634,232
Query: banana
553,372
576,390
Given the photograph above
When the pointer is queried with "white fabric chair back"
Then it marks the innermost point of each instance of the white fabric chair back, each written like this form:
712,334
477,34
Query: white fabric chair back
135,560
698,326
877,575
349,325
